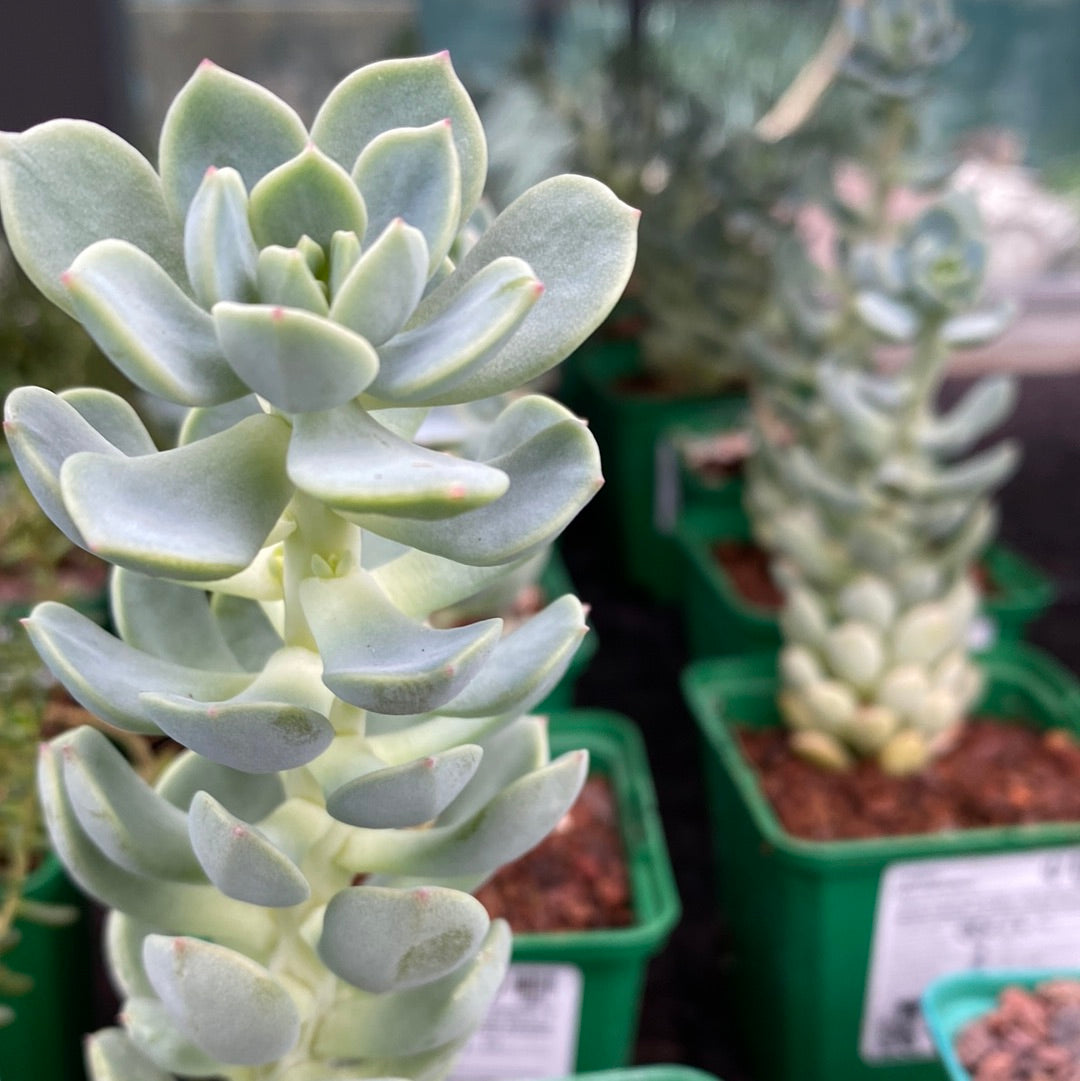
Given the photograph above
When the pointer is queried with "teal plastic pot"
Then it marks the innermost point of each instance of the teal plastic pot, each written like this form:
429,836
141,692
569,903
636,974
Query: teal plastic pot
822,991
572,1000
554,582
951,1002
640,465
719,621
44,1041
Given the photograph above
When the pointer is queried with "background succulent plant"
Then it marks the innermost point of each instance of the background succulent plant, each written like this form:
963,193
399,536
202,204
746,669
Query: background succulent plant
666,118
277,911
859,486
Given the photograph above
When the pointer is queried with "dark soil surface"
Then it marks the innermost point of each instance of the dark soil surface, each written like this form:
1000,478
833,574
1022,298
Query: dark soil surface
1030,1036
575,879
998,774
747,566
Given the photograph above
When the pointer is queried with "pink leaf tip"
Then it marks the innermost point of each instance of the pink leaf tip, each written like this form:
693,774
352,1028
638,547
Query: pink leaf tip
277,314
206,63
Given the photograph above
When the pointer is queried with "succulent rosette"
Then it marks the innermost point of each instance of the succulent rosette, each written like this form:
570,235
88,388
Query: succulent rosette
275,571
898,44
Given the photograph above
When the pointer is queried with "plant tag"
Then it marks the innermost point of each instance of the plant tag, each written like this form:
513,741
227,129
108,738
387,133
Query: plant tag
939,916
667,486
531,1030
982,633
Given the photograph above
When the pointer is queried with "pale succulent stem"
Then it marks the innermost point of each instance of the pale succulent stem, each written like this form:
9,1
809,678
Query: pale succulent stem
320,534
888,159
928,366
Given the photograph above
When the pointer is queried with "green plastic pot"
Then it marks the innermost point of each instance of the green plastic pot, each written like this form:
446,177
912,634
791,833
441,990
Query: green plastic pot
44,1041
802,913
949,1003
720,621
554,582
602,972
641,467
653,1073
1022,594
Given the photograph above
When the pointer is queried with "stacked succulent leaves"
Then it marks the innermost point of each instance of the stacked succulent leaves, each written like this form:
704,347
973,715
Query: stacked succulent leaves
869,497
289,900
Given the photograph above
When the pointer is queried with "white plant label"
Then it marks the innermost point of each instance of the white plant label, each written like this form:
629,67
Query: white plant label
982,633
939,916
531,1030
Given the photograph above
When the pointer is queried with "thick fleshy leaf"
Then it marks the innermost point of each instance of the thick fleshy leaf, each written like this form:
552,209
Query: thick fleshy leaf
377,658
229,1006
413,173
247,630
144,323
410,93
249,796
240,860
886,317
972,329
43,431
381,939
285,280
311,195
212,419
219,250
297,360
111,416
406,795
510,753
525,665
417,1019
106,676
198,512
985,405
554,469
419,364
384,285
420,583
67,184
349,461
128,821
518,818
278,722
168,620
123,951
580,242
221,119
343,255
156,1035
111,1056
187,908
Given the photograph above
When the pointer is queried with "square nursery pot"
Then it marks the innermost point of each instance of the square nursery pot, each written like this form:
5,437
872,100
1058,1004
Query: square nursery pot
571,1000
652,1073
950,1002
631,421
835,941
44,1042
554,582
720,620
1018,595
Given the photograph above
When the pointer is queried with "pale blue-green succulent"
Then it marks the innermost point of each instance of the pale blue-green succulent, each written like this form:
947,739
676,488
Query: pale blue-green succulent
288,901
875,506
863,491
